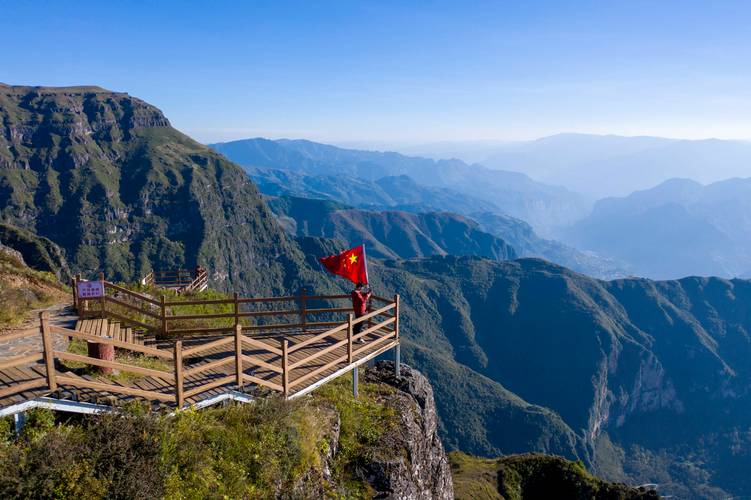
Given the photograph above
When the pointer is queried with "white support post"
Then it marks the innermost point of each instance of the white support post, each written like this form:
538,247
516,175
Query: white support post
355,391
397,360
19,420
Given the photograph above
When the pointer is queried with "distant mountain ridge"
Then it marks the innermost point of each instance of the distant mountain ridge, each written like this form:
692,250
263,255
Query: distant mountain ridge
676,229
393,192
610,165
541,205
390,234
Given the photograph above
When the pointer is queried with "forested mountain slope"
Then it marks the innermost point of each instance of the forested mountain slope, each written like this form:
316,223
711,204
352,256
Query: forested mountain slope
390,234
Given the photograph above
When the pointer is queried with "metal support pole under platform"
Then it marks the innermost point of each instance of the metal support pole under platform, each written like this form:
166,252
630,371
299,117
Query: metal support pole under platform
355,377
397,360
19,419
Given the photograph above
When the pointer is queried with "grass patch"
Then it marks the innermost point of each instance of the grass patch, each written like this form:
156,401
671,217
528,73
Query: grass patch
22,290
474,478
364,422
269,449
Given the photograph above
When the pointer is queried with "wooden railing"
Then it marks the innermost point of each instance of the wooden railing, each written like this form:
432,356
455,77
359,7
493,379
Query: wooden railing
182,280
163,317
286,362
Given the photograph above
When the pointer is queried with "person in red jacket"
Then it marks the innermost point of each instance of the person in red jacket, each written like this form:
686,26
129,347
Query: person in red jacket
360,298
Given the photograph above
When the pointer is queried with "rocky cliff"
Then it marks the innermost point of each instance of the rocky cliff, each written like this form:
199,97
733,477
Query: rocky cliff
103,175
422,470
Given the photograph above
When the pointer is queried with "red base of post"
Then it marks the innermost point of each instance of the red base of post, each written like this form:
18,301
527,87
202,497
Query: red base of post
105,352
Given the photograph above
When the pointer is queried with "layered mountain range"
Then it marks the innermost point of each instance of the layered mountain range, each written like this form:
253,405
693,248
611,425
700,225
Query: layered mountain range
643,381
676,229
336,177
543,206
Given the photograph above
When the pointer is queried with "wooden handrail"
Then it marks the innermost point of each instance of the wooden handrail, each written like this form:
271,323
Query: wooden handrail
69,356
200,316
311,340
329,310
374,343
261,345
373,328
126,319
261,381
374,313
318,354
204,347
210,385
124,290
322,369
23,386
262,364
174,303
82,382
21,360
117,343
248,300
130,306
19,335
208,366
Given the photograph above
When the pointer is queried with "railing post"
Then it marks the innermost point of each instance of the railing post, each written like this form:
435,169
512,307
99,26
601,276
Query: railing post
77,301
397,350
285,367
178,358
49,356
237,309
350,332
163,317
238,355
75,293
102,299
303,309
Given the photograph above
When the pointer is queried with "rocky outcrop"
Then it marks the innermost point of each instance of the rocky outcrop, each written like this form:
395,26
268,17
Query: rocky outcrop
34,251
421,469
104,176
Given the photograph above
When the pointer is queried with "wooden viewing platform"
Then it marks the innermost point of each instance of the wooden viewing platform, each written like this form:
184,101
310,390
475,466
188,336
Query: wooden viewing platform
182,280
239,347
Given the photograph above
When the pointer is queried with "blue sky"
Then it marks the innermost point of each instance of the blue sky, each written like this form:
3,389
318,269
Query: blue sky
400,72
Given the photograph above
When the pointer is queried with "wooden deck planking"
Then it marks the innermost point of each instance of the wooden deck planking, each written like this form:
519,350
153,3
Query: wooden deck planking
97,326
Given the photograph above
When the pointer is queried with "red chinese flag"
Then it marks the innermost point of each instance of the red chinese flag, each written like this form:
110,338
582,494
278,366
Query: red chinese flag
350,264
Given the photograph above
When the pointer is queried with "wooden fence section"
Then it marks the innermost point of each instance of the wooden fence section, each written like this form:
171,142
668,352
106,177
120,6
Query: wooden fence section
262,315
182,280
287,363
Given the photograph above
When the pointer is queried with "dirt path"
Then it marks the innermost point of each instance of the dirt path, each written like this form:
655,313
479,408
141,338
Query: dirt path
60,315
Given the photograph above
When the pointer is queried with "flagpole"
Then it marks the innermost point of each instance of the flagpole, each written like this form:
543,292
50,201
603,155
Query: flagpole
365,260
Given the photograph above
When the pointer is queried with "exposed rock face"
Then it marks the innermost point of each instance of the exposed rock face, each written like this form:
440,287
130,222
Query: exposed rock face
38,253
104,176
422,471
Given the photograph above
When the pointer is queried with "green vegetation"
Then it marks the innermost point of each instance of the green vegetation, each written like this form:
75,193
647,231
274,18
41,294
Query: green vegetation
532,476
267,449
38,253
390,234
474,478
22,290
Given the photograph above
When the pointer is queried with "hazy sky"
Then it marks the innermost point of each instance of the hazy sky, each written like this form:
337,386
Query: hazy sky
400,71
